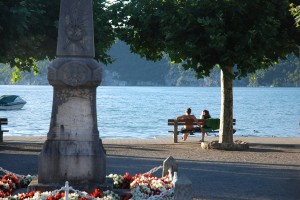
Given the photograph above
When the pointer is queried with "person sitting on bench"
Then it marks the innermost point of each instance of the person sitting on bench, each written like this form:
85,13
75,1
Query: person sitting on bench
205,115
189,127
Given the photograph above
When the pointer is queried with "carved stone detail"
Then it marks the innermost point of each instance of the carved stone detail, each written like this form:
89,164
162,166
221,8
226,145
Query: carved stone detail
74,73
75,36
75,21
97,73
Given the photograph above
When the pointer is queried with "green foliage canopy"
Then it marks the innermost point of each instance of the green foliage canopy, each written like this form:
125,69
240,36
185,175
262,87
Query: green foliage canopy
250,35
295,10
28,32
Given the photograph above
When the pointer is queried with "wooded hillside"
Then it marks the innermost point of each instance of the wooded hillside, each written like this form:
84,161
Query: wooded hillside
132,70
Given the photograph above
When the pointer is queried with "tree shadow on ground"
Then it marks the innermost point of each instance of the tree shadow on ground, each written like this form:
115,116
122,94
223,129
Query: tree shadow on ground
255,147
128,147
210,179
22,164
222,180
17,147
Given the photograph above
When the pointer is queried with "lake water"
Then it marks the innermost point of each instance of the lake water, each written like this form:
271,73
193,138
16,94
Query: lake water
142,112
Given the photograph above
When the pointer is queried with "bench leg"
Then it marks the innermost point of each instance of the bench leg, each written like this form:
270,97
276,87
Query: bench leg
1,136
175,133
175,137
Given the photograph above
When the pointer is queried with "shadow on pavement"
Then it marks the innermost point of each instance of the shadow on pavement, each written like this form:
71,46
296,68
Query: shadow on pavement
210,179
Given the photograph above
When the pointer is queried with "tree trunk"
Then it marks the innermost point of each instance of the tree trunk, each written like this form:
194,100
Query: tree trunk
226,118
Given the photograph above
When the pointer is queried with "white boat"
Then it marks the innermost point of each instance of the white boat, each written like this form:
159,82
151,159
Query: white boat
11,102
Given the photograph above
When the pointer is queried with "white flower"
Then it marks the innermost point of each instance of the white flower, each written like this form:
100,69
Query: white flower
137,194
5,185
117,179
109,195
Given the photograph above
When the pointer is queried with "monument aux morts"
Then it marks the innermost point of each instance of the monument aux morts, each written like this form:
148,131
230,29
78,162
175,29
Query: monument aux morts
73,151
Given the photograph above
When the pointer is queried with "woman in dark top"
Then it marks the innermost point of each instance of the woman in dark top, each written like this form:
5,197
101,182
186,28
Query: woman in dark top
205,115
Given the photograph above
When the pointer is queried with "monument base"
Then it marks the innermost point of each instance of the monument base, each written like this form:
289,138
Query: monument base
77,162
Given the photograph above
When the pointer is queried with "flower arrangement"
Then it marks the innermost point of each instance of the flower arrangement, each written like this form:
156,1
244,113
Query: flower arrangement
142,186
97,195
8,184
151,185
146,186
121,182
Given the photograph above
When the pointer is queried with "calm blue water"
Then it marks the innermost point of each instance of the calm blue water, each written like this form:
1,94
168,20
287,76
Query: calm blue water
142,112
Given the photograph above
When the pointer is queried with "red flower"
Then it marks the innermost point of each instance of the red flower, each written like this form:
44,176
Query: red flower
97,193
127,179
27,195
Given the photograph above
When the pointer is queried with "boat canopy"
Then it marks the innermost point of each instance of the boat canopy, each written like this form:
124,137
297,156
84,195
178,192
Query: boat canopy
9,98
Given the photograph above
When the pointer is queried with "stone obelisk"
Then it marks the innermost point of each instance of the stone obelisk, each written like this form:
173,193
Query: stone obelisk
73,151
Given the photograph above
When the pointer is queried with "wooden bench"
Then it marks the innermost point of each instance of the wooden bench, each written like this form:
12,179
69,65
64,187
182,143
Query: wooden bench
175,123
3,121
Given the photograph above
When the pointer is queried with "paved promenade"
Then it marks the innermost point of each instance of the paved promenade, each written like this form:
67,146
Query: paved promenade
269,170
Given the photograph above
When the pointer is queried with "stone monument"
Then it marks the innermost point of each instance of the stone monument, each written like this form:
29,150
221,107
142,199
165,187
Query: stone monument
73,151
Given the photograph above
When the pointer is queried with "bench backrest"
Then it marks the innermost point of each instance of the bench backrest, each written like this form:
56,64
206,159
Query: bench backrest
3,121
171,122
188,122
